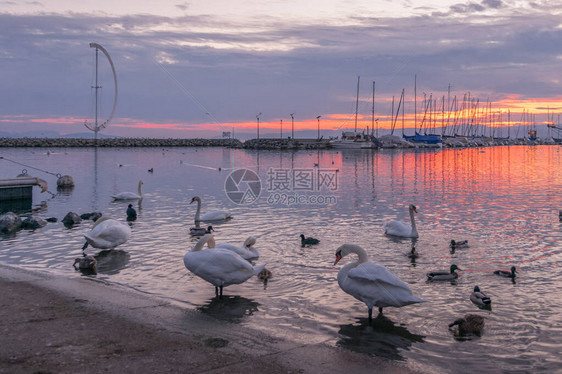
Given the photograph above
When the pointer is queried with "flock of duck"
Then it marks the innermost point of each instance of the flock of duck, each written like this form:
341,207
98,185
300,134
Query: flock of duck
225,264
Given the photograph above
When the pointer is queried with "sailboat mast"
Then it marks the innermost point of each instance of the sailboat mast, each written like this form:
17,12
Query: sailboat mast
415,102
357,103
373,112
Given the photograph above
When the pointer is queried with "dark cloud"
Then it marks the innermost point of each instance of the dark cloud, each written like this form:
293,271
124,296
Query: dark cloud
235,72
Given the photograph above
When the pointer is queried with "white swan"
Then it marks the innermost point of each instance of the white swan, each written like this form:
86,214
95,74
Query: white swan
372,283
246,251
403,229
218,266
213,215
107,233
129,195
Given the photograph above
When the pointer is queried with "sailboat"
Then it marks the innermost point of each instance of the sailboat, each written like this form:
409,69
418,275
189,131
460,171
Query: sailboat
96,126
354,139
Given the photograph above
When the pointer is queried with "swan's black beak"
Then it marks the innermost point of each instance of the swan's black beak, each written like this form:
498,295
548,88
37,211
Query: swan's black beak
192,200
338,258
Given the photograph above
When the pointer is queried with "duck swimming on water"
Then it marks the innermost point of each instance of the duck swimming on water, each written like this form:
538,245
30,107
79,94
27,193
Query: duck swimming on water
308,241
505,273
470,324
443,275
479,298
458,244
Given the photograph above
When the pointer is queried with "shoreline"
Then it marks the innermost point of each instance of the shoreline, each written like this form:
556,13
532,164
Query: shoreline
60,324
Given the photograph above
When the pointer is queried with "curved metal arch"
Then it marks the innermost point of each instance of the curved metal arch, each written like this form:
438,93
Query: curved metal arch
104,124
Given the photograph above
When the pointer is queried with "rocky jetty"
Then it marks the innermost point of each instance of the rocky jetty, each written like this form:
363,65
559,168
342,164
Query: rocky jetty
117,142
272,143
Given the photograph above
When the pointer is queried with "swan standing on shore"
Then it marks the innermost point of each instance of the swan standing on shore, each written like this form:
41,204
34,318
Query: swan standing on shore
246,251
372,283
213,215
218,266
107,233
403,229
129,195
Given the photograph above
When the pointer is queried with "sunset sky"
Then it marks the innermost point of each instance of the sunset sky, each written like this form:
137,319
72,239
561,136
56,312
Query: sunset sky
197,68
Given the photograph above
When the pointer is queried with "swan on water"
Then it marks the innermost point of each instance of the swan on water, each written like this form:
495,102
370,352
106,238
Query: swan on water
107,233
372,283
246,251
129,195
213,215
218,266
403,229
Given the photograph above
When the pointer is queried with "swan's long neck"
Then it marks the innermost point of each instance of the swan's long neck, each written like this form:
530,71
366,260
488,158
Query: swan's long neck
206,239
197,219
352,248
413,220
140,188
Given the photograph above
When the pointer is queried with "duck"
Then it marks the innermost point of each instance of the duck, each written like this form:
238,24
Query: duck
308,241
131,213
246,251
403,229
107,233
469,324
458,244
444,275
85,263
200,231
213,215
151,170
413,253
265,274
129,195
372,283
479,298
505,273
218,266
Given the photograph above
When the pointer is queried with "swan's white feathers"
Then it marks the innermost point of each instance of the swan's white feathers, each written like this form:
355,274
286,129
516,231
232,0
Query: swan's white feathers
372,283
397,228
215,215
108,233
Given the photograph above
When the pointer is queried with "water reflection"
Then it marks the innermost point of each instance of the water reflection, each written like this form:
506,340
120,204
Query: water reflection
381,338
112,261
229,308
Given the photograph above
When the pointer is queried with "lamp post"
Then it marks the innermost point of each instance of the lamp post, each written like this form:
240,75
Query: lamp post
318,119
281,130
258,118
292,125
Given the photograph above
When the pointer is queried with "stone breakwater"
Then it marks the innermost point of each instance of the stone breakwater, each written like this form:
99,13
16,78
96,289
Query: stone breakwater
266,143
117,142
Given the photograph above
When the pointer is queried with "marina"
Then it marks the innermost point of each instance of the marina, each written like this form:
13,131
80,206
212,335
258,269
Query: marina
502,200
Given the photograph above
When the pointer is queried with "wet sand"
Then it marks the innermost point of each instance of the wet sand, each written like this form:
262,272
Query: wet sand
54,324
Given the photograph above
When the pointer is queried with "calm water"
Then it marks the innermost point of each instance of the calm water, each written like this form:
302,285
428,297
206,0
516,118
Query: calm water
503,200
